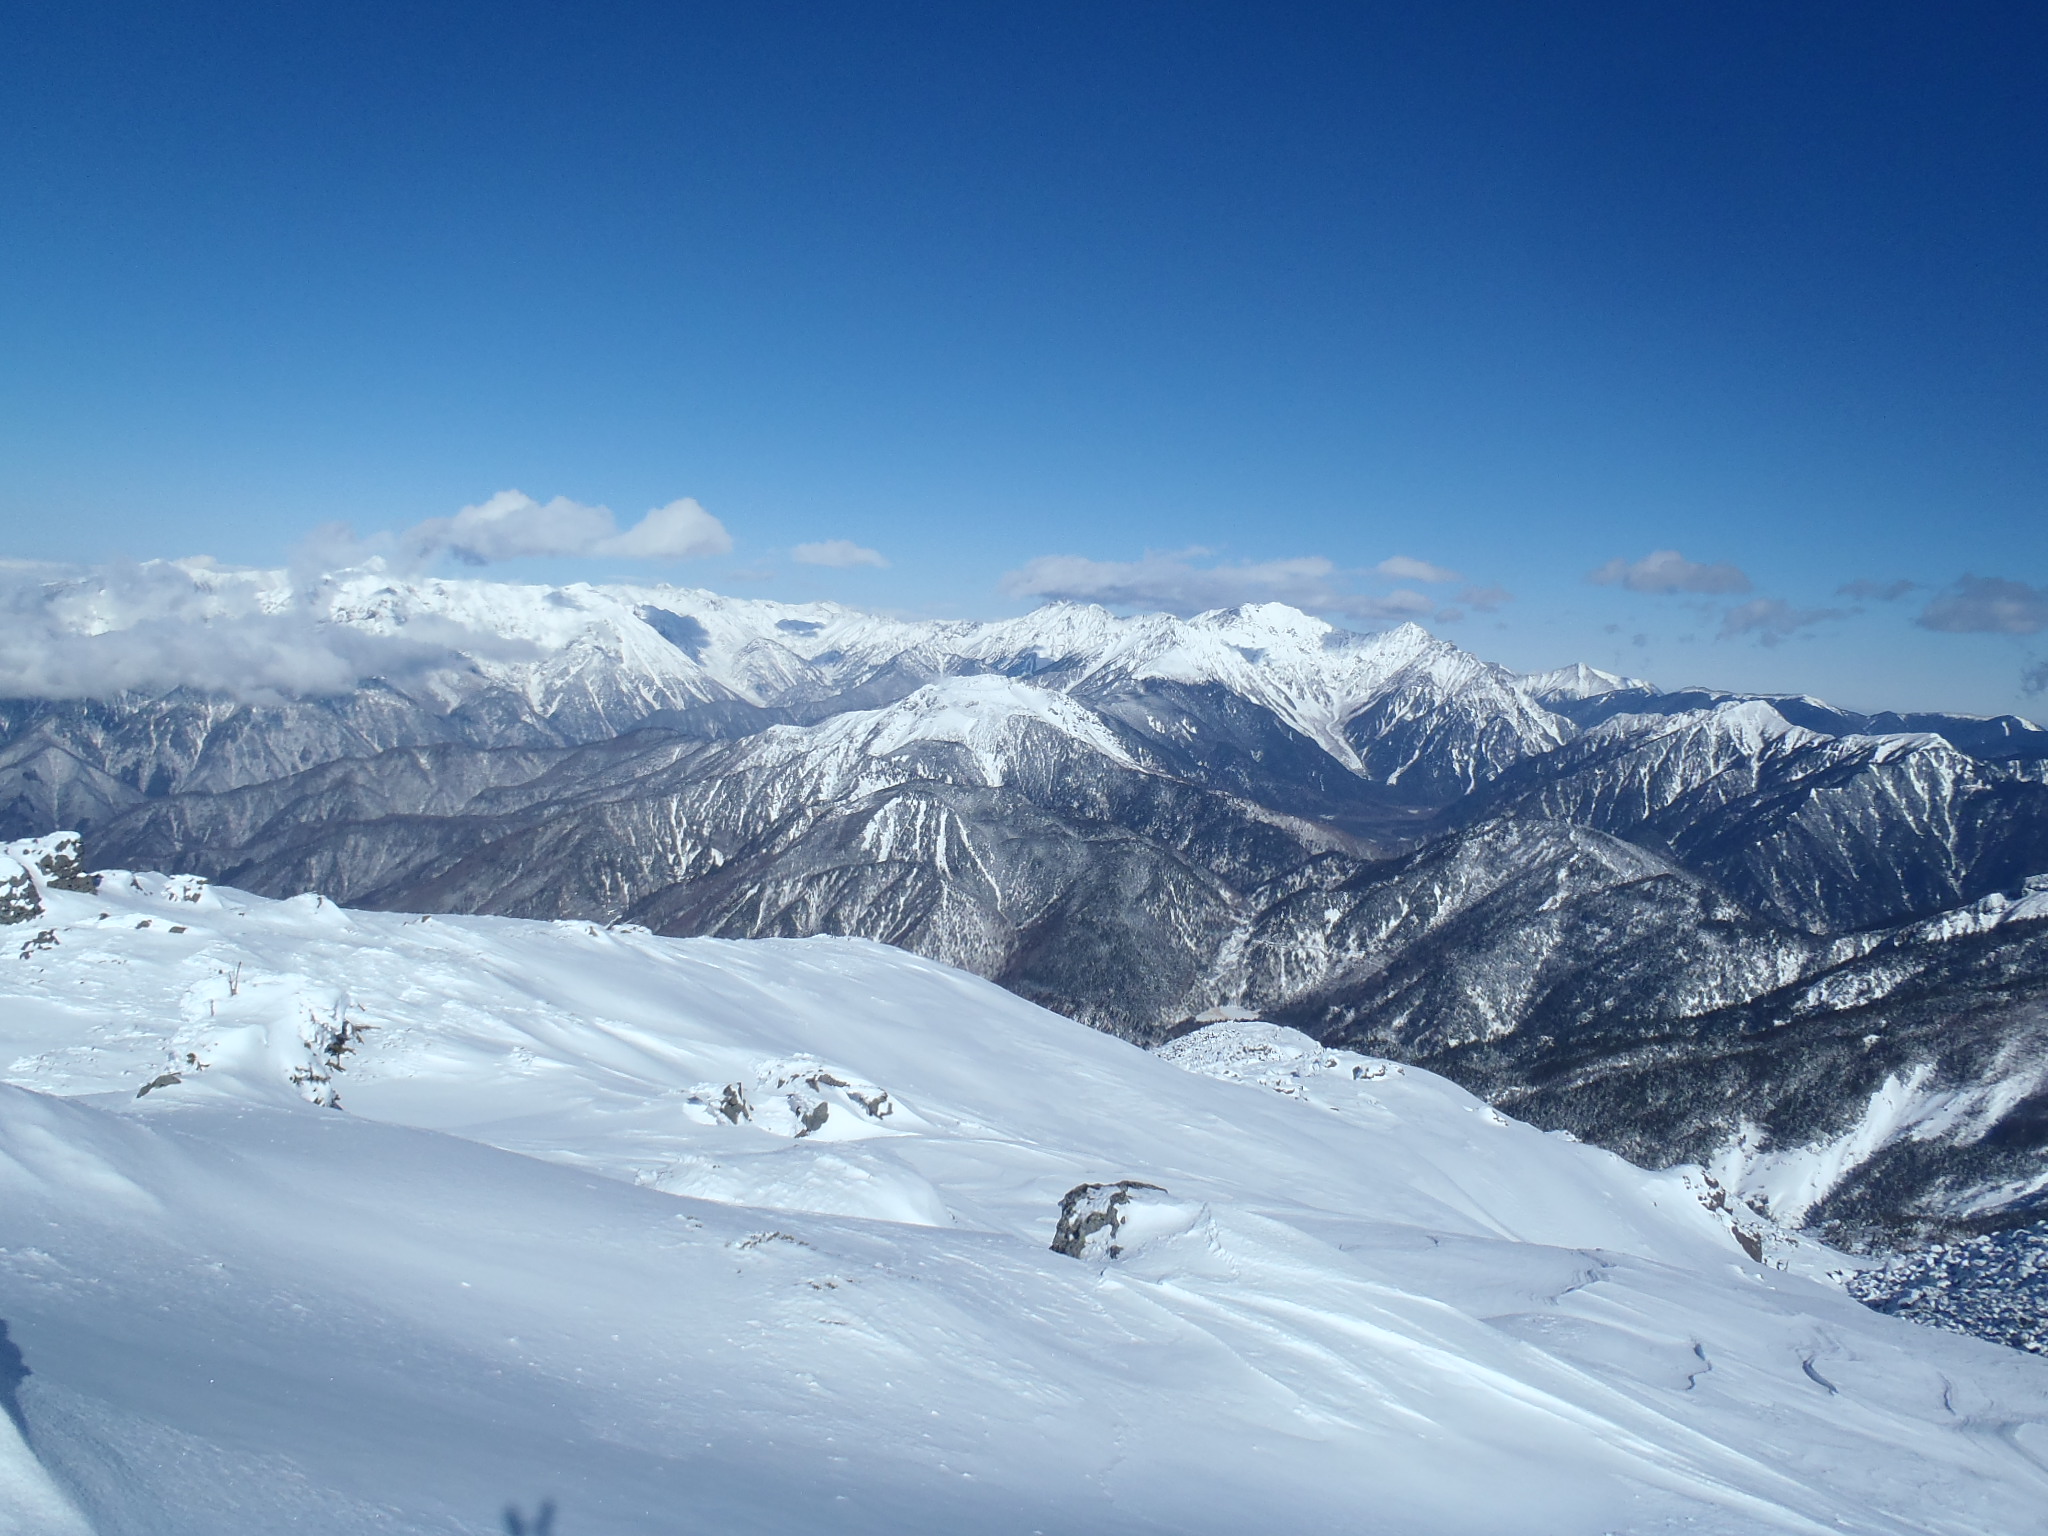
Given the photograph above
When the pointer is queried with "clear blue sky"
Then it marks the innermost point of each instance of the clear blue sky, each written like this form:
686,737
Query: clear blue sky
1516,290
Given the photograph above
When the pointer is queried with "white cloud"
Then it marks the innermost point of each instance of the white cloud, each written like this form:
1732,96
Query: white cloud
335,547
69,633
1486,599
513,526
1402,568
839,553
1987,605
1172,583
1772,619
1667,571
682,530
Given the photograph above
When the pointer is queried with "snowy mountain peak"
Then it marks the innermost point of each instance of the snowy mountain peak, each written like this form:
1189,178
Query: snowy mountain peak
1271,623
984,712
1739,726
1405,639
1753,726
1753,722
1579,681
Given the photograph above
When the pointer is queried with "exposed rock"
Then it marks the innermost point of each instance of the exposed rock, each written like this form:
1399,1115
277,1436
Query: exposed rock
1994,1286
1091,1216
62,866
19,899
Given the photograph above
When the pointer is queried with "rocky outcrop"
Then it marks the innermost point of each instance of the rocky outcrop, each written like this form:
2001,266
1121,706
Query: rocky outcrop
34,865
62,863
1093,1216
19,898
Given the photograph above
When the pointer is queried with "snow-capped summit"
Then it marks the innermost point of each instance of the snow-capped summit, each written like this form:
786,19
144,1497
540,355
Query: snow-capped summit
1737,726
1579,681
988,714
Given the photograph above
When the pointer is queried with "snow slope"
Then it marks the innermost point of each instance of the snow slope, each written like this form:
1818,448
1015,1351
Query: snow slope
331,1221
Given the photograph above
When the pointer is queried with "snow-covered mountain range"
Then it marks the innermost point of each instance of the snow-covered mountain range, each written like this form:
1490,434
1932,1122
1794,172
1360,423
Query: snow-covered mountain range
1409,720
341,1221
1802,945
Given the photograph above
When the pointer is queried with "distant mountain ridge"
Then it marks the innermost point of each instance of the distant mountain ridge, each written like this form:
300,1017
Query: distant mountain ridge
1698,925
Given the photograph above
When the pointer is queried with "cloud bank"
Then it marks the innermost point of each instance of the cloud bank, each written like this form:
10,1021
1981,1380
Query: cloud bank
1486,599
1987,605
1772,619
1402,568
841,554
513,526
68,633
1173,583
1666,571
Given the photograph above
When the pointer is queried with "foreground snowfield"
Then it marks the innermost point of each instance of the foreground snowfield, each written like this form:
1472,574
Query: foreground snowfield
691,1235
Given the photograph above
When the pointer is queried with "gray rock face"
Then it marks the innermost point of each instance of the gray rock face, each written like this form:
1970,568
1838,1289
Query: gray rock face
33,866
61,863
1683,925
19,899
1092,1216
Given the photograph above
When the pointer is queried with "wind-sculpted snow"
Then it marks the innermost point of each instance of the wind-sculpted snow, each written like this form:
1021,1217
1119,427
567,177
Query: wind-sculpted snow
1590,982
343,1221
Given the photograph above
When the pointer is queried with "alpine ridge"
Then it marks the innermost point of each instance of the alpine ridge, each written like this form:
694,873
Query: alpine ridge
1798,944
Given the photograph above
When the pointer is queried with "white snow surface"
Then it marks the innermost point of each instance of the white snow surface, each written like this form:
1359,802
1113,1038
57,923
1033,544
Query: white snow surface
1579,681
419,1217
985,713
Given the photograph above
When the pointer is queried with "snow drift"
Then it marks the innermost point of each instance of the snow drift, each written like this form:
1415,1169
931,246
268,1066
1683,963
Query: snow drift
335,1221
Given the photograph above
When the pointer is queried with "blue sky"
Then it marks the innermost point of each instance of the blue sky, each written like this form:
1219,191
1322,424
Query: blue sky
1176,303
